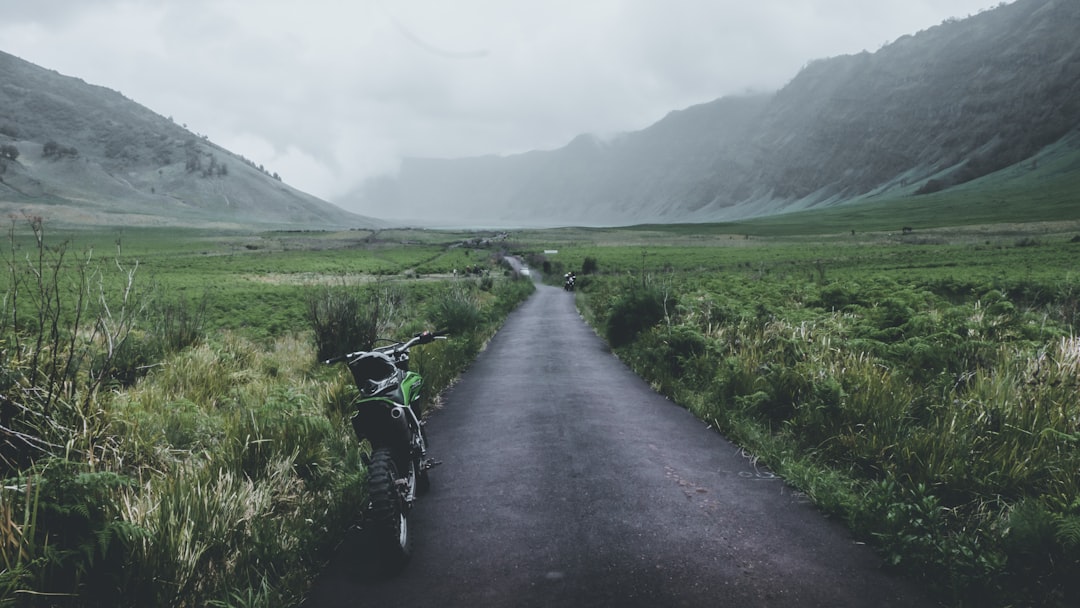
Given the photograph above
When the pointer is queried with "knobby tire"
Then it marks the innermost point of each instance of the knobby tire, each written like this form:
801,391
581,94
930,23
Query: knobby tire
387,523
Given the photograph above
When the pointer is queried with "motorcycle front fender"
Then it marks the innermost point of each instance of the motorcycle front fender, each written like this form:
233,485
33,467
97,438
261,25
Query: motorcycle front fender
410,386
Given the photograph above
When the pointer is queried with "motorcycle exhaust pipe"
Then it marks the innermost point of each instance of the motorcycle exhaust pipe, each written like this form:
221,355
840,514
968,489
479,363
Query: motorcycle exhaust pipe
397,412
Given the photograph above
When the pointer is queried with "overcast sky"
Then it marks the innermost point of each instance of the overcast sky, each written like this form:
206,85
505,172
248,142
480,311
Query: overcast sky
327,92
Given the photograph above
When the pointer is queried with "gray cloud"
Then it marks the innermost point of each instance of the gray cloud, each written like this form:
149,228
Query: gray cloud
327,92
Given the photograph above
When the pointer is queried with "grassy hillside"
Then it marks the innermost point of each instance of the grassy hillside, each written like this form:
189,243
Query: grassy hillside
81,154
1045,189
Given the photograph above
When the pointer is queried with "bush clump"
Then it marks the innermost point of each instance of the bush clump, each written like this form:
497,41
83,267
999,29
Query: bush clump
458,312
635,311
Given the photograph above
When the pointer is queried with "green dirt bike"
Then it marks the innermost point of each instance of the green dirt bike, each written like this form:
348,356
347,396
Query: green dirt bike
387,416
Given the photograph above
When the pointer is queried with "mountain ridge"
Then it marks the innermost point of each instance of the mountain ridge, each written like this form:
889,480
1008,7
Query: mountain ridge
932,110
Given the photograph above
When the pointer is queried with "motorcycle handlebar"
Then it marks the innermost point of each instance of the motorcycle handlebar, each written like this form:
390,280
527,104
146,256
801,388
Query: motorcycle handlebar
424,337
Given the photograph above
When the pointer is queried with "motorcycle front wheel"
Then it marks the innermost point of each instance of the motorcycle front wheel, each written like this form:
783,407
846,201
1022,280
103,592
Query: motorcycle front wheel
387,522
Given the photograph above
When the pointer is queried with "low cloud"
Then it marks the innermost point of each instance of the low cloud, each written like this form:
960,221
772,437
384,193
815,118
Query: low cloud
327,93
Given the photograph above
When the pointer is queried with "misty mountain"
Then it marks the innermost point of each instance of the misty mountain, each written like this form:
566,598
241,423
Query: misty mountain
78,153
948,105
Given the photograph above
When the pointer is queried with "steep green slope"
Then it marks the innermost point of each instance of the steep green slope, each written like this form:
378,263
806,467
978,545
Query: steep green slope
1045,188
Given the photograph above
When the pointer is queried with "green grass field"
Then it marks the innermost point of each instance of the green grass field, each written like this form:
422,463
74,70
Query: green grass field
171,440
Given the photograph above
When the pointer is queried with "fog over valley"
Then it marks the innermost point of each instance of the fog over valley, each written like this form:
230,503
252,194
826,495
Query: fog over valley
483,115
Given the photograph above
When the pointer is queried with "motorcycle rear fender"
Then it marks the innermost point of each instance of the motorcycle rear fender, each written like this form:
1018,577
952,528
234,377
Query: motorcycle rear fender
375,422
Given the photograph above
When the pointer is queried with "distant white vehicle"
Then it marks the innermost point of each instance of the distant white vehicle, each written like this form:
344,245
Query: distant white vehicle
525,272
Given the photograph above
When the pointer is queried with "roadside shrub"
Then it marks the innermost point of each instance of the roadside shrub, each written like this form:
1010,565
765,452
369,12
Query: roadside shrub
63,322
457,312
179,323
171,327
281,426
188,427
350,318
1066,303
892,313
678,357
76,538
1043,548
509,294
836,296
339,326
246,471
916,534
636,310
130,359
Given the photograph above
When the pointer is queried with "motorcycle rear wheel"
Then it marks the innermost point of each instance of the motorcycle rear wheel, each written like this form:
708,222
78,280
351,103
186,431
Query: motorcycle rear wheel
387,522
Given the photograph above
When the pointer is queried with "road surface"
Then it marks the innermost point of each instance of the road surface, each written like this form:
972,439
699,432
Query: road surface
567,481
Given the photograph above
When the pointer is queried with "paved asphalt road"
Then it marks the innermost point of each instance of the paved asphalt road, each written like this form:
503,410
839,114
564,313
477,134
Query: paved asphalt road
566,481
